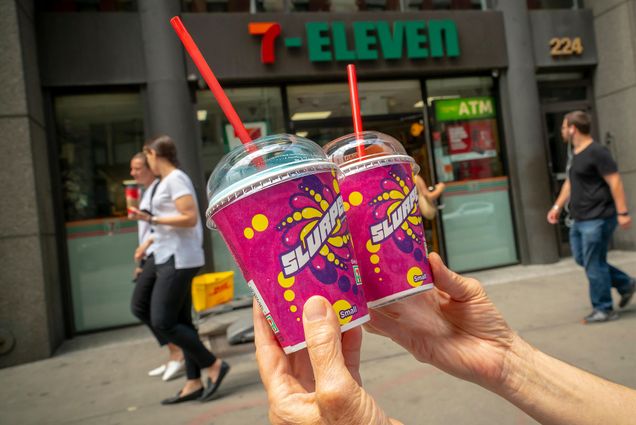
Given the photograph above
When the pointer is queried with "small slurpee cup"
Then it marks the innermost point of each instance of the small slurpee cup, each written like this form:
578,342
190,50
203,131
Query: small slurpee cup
132,192
380,198
277,203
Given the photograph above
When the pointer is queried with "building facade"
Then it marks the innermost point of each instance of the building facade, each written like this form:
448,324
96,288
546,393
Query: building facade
474,90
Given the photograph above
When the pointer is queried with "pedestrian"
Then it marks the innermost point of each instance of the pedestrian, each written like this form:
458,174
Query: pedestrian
176,257
140,302
427,197
454,327
597,205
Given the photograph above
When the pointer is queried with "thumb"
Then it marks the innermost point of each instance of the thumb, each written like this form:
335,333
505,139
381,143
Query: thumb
460,288
322,333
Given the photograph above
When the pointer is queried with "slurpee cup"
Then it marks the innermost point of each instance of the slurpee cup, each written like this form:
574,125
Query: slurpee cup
380,199
132,192
277,203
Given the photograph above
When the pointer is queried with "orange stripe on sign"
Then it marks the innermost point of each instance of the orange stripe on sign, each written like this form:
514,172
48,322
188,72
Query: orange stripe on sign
256,28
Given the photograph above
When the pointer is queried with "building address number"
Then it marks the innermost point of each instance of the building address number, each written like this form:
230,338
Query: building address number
566,46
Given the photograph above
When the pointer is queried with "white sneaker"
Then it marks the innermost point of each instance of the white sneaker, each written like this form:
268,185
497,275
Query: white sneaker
157,371
174,369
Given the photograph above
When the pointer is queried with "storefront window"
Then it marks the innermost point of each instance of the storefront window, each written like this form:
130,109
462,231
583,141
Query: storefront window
261,110
467,155
322,112
97,135
87,5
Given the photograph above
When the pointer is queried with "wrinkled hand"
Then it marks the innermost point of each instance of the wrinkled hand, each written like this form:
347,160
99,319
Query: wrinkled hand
624,221
320,385
454,327
553,216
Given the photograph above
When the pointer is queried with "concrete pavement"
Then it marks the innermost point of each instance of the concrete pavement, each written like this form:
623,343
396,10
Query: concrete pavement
101,378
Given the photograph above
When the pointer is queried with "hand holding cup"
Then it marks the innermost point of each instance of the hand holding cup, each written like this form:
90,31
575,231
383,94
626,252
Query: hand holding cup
320,385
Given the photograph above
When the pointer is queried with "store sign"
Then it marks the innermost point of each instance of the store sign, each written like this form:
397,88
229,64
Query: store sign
464,109
364,40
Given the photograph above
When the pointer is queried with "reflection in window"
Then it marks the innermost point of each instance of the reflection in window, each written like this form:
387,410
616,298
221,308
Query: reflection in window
554,4
444,4
260,109
97,136
87,5
343,5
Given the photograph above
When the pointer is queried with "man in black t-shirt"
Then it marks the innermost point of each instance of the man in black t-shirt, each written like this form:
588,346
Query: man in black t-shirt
597,205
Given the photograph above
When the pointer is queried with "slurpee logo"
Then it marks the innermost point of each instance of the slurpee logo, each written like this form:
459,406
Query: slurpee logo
296,259
395,220
316,235
364,40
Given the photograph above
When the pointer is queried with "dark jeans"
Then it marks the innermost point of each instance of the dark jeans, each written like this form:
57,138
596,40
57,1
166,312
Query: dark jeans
169,315
140,302
589,240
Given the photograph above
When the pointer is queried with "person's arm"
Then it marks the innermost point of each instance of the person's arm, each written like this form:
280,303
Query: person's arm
615,184
188,214
554,392
562,199
140,252
456,328
434,194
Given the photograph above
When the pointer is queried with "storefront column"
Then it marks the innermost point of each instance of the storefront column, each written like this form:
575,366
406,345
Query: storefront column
525,147
169,103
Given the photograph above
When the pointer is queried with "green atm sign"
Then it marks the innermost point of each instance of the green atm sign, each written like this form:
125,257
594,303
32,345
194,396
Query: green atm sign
464,108
365,40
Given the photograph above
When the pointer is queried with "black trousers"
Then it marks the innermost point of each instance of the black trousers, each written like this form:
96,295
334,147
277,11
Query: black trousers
169,314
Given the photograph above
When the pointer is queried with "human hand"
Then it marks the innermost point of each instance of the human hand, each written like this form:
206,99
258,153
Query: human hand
137,272
140,252
137,214
454,327
624,221
553,216
320,385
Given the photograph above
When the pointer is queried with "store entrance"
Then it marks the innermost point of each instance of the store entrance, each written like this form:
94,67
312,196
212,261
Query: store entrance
559,98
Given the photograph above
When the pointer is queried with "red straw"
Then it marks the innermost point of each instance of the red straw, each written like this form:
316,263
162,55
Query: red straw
355,106
209,78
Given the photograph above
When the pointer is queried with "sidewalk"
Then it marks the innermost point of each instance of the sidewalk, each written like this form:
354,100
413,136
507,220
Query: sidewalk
101,378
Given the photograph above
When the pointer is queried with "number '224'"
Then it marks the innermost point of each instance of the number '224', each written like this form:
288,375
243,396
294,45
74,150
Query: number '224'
566,46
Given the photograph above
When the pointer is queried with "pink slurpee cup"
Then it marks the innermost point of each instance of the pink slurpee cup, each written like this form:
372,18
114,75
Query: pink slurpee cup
380,200
277,203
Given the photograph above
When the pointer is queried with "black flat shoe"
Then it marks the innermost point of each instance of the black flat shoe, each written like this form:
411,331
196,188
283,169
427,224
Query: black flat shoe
211,388
179,399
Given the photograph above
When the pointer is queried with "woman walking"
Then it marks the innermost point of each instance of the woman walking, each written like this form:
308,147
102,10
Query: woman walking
177,255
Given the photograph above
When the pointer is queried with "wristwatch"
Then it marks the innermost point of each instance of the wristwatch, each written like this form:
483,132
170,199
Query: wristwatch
626,213
153,220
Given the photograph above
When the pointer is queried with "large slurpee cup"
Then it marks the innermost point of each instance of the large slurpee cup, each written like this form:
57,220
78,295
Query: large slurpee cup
277,204
380,198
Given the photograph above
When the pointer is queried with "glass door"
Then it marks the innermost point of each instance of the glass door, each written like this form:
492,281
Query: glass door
97,135
560,94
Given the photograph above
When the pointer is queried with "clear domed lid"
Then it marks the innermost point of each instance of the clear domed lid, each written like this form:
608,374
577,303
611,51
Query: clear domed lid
260,164
356,152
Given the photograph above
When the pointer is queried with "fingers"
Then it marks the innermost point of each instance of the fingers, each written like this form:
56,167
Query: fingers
351,344
322,333
460,288
269,356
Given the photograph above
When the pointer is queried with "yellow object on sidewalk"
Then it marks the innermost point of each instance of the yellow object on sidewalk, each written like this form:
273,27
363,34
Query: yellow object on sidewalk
212,289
